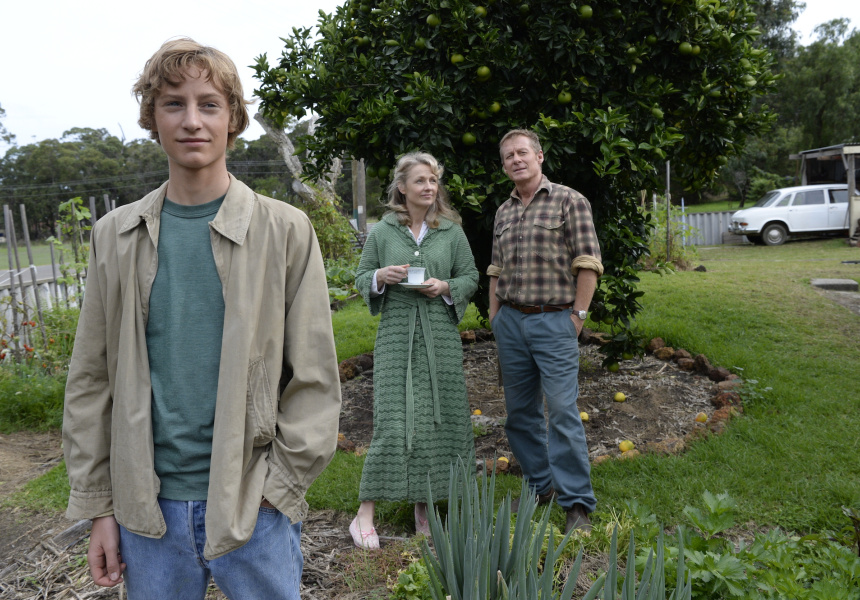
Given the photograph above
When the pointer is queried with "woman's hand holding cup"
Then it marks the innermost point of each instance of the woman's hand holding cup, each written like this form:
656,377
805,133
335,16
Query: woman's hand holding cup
391,275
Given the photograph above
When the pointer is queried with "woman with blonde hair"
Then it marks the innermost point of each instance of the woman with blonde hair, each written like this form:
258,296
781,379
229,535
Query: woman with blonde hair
420,408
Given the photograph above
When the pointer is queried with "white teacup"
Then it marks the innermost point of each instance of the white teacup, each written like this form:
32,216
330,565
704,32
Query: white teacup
415,274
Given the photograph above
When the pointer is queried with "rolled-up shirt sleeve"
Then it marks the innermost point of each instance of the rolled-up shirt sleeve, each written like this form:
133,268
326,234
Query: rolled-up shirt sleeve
582,236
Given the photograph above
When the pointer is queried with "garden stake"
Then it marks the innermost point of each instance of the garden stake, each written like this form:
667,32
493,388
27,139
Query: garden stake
33,277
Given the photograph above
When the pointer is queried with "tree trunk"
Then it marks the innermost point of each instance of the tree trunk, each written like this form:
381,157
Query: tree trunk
286,149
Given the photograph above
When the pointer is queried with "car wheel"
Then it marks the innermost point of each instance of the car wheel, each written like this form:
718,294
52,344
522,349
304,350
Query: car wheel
774,235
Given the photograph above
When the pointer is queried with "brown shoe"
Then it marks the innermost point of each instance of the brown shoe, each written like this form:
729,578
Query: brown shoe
542,499
577,518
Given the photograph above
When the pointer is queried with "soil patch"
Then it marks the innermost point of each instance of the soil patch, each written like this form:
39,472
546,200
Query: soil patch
661,402
850,300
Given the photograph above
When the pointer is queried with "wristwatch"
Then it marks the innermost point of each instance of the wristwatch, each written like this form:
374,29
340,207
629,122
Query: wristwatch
582,314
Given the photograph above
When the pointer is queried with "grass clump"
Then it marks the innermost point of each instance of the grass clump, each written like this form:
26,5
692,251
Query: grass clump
354,329
50,492
30,399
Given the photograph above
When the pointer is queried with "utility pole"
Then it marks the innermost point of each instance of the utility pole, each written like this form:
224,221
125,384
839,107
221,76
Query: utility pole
359,196
668,224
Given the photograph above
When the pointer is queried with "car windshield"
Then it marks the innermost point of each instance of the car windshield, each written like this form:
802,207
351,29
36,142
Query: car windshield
768,199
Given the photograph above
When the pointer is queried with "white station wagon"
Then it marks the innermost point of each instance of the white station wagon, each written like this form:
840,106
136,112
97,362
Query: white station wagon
794,211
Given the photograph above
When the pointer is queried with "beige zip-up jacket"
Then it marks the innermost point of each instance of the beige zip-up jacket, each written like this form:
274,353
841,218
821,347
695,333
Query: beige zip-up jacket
278,399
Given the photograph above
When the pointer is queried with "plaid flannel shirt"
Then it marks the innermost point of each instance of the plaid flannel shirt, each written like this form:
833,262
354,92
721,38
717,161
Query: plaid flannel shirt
537,251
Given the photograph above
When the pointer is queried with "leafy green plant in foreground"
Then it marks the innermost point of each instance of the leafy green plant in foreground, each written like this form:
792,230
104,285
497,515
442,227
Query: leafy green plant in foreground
413,583
771,565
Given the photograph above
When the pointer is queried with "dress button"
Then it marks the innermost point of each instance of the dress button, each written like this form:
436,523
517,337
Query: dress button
416,253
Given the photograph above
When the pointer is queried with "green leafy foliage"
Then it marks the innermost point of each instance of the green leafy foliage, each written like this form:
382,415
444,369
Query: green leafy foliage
30,399
819,92
258,164
717,516
5,135
340,274
45,344
73,223
854,515
767,565
475,556
335,234
612,95
413,583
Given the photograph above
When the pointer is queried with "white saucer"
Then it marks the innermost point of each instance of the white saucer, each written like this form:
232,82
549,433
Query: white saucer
415,286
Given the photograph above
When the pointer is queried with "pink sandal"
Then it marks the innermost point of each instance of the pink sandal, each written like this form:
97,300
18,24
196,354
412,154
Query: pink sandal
363,539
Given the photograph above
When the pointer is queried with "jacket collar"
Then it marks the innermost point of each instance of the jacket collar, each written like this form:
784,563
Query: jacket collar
232,220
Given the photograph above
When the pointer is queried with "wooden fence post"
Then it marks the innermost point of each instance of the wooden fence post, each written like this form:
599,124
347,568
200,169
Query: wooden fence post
34,276
10,235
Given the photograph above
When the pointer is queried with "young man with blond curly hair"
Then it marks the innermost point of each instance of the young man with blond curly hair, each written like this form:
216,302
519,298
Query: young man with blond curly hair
203,393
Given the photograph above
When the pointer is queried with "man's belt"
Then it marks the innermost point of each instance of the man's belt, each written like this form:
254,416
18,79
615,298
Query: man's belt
531,310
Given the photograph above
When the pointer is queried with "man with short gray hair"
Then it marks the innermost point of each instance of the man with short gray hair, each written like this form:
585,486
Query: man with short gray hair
544,270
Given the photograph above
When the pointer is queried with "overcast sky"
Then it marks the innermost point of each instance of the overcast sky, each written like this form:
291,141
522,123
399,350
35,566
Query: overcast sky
72,64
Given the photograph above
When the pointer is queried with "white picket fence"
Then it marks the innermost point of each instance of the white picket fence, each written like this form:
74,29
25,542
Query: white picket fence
25,307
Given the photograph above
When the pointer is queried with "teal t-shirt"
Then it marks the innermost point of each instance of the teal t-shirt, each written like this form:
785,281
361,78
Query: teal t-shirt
183,339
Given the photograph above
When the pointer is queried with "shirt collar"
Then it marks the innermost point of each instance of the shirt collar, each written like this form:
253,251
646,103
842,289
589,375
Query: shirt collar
545,184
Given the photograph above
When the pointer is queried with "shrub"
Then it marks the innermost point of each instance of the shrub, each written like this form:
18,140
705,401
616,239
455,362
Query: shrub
30,399
335,234
340,274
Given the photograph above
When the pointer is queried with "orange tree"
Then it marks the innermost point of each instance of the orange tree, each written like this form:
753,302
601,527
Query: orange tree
614,89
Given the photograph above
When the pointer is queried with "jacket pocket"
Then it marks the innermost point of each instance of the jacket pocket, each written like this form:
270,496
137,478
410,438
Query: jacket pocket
549,237
260,406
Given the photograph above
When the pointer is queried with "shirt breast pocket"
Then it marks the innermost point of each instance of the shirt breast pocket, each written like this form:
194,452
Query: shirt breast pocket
502,230
548,235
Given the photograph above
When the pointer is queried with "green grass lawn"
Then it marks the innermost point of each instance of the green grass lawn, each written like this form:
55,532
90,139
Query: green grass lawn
792,460
41,255
719,206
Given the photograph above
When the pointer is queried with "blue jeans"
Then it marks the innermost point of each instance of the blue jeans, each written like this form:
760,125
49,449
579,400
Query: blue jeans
539,355
268,567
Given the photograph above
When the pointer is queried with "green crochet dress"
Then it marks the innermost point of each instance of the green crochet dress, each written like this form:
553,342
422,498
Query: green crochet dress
418,429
